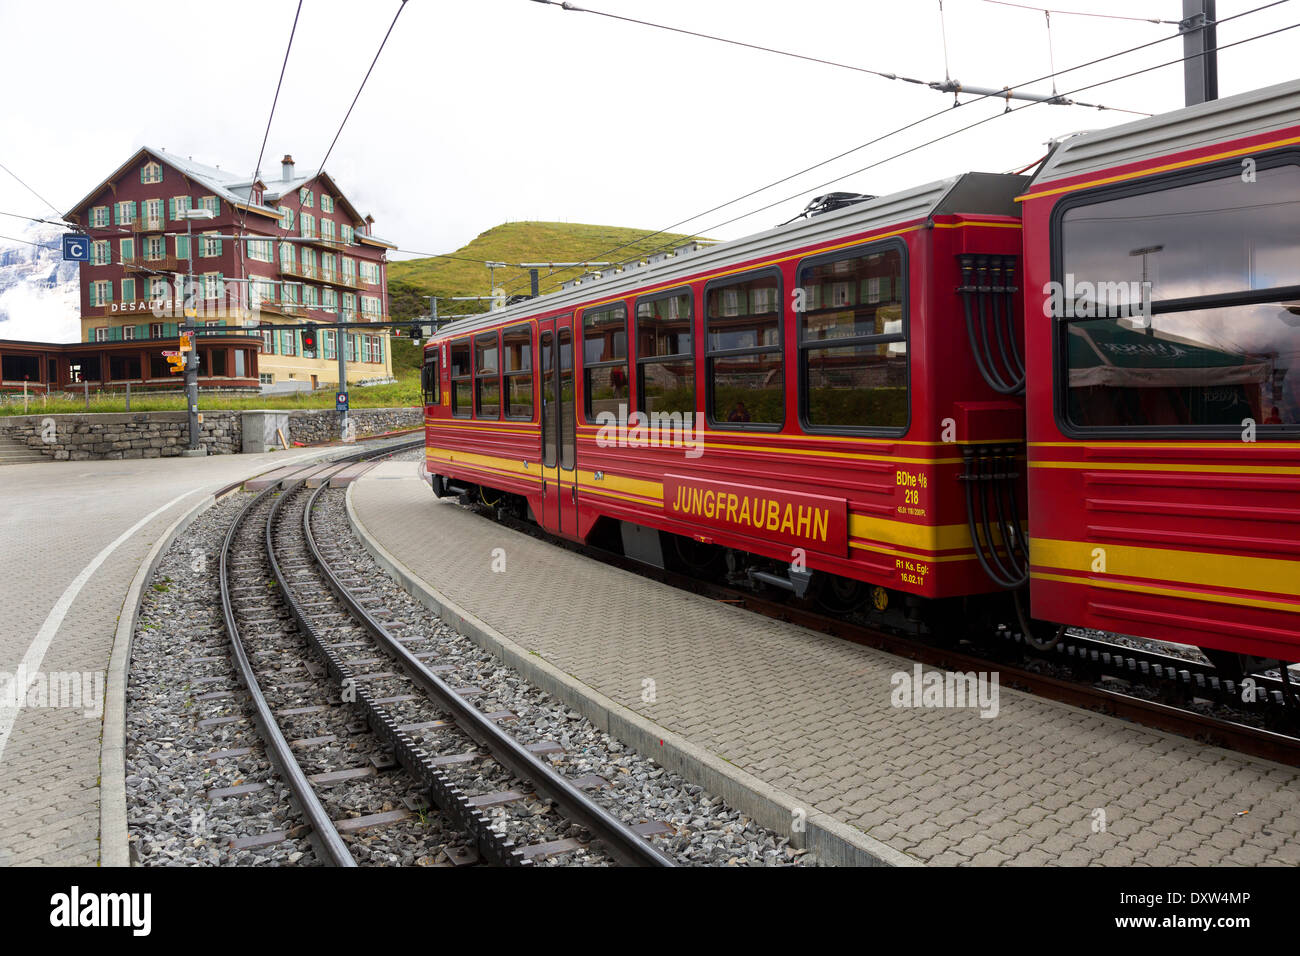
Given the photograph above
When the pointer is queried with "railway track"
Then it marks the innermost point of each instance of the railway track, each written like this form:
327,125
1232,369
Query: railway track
357,716
1149,687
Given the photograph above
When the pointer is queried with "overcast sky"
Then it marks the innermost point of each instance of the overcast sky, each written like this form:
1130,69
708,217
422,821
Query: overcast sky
483,111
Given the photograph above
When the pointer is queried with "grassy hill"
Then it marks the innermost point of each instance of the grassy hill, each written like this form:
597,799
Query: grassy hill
512,242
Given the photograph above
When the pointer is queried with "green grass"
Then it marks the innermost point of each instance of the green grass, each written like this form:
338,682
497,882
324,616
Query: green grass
403,393
409,281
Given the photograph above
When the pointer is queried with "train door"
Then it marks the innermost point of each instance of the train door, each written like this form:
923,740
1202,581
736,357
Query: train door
559,429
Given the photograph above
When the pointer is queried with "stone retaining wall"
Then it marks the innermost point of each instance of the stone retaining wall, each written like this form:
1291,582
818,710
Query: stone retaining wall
83,437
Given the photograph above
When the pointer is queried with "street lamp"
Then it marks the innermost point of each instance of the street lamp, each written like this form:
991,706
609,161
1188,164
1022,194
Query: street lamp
192,359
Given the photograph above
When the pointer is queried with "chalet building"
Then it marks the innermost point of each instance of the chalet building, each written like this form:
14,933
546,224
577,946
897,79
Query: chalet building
307,255
228,359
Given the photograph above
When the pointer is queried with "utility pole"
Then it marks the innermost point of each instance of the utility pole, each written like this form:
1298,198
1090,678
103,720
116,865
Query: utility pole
1200,52
195,449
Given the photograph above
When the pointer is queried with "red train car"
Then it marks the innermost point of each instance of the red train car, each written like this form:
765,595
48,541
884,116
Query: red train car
1162,263
799,399
923,399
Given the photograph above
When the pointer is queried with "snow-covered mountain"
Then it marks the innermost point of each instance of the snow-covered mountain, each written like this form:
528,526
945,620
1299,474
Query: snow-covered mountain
40,294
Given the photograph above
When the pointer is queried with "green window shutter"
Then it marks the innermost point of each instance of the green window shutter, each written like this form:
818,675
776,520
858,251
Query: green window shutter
142,168
128,290
109,291
171,328
116,217
171,209
115,334
135,210
182,247
142,331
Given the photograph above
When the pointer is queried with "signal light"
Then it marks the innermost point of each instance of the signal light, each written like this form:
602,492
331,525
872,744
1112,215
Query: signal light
415,333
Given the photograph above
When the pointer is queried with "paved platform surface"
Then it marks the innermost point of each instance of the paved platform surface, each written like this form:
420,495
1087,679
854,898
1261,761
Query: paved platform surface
1039,783
59,518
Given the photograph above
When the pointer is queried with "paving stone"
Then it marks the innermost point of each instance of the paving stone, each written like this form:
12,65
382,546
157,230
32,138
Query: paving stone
811,715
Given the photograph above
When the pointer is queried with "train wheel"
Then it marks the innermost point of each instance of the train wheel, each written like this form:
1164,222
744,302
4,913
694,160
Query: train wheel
1230,665
839,595
697,558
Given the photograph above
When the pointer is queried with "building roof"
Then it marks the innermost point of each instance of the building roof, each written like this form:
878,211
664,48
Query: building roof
232,187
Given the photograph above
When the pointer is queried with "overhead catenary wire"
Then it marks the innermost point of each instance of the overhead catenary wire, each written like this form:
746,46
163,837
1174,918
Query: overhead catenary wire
382,42
1082,13
924,119
57,212
947,86
987,119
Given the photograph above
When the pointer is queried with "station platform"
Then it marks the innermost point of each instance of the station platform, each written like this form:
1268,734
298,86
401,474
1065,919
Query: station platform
73,544
797,729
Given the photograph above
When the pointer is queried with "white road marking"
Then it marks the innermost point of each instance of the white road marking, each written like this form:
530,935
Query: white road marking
31,663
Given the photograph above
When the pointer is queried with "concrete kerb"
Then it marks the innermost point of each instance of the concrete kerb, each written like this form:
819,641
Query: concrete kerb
834,841
113,835
113,842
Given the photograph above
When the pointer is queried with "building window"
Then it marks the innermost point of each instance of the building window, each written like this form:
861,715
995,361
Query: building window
307,226
1217,255
327,266
462,380
345,233
98,217
349,270
327,229
305,197
151,212
311,296
101,253
365,348
209,246
743,367
286,256
286,218
261,250
212,204
604,360
665,355
158,288
212,285
308,257
101,292
151,173
156,330
177,206
101,334
288,342
124,213
329,299
331,341
349,306
266,378
326,202
128,333
852,342
517,367
268,341
155,247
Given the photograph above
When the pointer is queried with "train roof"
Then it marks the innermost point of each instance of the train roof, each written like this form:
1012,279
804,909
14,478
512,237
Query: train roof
969,194
1259,111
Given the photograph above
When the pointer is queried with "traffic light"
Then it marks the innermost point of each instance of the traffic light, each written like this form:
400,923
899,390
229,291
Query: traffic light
415,333
309,343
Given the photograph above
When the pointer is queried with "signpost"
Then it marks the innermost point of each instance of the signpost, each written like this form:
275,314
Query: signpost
76,247
341,402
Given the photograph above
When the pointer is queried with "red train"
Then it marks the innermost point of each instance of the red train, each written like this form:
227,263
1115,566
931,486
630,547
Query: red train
1074,396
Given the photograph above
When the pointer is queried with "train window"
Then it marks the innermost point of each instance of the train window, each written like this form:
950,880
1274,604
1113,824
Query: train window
487,378
462,380
743,361
517,368
1216,259
664,354
853,341
430,383
604,360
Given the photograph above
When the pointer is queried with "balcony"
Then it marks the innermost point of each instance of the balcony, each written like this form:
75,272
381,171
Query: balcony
163,264
149,224
317,274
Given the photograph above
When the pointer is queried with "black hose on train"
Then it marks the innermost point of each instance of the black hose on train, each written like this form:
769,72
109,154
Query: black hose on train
985,297
982,476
